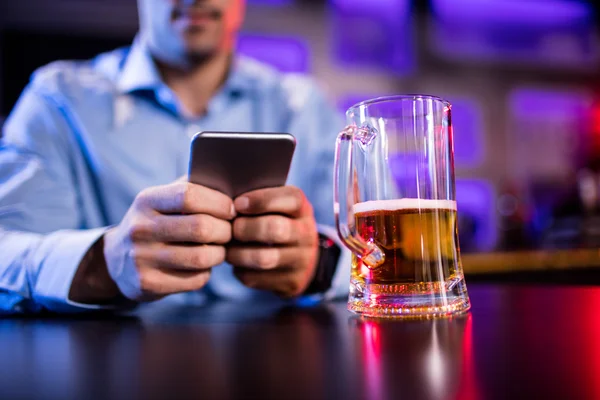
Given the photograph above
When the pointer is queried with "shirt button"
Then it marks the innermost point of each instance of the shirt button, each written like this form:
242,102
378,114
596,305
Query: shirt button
192,130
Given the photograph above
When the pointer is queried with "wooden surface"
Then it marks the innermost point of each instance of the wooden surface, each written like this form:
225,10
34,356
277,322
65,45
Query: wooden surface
518,342
531,260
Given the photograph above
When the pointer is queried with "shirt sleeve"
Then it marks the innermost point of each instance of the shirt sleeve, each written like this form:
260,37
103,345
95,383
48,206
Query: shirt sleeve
41,240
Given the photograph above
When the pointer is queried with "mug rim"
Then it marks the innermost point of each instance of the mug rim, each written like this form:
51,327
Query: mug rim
396,97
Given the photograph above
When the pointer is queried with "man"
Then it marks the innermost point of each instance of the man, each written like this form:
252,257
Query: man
92,213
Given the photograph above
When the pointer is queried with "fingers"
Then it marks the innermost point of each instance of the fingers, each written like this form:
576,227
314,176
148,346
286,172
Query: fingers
287,200
271,229
197,228
158,282
179,257
267,258
187,198
284,282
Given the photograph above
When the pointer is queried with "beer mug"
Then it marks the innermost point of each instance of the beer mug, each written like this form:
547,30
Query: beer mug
395,208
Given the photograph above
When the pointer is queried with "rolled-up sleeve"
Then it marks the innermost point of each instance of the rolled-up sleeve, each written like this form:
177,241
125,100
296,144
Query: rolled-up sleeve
36,270
42,239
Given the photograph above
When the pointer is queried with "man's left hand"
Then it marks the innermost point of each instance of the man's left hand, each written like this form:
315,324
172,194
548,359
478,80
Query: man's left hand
275,240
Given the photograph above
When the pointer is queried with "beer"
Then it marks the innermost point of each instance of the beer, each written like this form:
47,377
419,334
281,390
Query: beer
419,239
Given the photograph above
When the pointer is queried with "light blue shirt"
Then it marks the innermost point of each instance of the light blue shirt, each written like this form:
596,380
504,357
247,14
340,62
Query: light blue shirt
86,137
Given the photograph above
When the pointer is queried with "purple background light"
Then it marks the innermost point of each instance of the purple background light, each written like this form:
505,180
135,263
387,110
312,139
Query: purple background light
545,14
548,133
469,141
346,102
287,54
271,2
477,217
377,7
547,103
546,33
375,34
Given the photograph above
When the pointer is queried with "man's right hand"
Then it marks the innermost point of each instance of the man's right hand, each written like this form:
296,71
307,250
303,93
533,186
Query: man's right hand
168,241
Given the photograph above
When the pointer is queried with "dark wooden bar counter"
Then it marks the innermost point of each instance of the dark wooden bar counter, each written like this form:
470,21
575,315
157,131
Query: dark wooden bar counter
519,341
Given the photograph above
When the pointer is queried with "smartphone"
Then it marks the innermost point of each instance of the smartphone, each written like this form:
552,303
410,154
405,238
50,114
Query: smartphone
235,162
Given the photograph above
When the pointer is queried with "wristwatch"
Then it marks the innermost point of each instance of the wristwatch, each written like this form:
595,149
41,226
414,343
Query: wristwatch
329,255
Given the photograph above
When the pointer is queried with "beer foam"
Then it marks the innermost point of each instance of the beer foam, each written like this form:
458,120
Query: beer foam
404,204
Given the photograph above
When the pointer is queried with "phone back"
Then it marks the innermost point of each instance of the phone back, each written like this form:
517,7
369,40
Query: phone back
235,163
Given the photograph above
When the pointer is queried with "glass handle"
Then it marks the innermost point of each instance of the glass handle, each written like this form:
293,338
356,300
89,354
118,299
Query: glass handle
371,255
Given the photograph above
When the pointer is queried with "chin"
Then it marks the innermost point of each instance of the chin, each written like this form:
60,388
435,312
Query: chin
195,54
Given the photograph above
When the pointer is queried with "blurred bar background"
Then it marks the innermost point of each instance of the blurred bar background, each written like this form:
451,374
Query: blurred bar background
523,77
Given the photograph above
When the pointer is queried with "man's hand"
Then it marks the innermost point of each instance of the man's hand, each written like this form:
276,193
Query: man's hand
276,246
167,243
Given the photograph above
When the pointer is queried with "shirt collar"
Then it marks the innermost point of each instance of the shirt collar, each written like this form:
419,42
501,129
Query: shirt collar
240,78
139,72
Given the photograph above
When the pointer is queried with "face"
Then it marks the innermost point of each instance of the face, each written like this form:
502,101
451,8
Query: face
182,31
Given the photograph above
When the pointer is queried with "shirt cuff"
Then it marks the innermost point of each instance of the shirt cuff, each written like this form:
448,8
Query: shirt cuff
59,256
340,284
